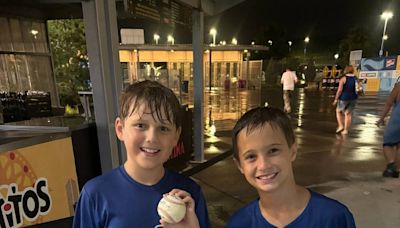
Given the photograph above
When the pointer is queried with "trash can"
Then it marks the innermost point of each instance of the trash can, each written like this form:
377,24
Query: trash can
185,86
242,83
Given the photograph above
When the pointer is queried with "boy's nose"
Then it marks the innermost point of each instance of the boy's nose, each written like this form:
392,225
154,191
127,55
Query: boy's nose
151,135
263,163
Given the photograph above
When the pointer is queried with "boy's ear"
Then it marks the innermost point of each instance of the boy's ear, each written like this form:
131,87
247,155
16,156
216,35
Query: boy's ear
293,150
119,128
237,163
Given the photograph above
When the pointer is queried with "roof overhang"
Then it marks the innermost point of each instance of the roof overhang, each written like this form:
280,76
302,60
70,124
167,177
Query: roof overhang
189,47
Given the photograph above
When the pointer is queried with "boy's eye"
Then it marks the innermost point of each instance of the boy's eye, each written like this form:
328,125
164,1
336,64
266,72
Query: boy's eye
139,125
164,128
273,151
250,157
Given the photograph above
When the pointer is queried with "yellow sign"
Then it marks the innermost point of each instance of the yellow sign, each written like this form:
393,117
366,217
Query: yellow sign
37,184
372,85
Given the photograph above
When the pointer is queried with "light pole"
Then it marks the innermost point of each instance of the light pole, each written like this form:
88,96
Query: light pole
290,45
386,16
156,37
213,32
306,40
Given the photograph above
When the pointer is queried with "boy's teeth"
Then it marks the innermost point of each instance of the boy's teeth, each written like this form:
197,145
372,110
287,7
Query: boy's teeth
267,176
149,150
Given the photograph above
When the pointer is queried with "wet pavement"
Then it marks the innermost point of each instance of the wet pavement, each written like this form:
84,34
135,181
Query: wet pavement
346,168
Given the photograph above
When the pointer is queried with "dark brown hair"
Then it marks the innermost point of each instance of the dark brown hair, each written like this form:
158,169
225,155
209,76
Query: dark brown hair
157,97
258,117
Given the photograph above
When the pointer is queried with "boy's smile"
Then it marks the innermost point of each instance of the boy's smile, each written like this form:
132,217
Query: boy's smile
148,141
265,158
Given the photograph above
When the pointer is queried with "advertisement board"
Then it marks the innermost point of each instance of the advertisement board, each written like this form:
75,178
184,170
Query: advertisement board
37,183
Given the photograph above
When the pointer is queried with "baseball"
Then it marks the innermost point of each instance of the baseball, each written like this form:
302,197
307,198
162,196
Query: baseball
171,209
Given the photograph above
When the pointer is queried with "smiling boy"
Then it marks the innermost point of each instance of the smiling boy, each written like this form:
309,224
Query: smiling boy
264,149
149,124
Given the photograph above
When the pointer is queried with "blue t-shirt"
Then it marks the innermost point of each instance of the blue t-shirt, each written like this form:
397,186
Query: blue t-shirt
321,212
116,200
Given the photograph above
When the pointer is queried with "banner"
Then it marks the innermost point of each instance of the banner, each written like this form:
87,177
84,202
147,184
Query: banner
379,63
37,184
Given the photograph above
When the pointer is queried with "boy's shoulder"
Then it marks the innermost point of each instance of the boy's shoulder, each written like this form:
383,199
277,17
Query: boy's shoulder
244,216
100,182
328,206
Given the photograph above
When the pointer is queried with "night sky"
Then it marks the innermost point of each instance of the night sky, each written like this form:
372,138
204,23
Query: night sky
325,22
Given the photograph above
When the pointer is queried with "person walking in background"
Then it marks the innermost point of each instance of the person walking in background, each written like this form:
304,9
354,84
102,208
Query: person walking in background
264,148
391,137
288,80
345,100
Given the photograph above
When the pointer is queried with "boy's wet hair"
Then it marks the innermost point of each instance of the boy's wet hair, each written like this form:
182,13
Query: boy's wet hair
157,97
258,117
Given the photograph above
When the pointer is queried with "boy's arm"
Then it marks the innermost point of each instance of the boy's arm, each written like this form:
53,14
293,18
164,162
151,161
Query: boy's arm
84,212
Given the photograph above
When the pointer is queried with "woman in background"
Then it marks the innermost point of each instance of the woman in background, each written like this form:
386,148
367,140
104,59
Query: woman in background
345,100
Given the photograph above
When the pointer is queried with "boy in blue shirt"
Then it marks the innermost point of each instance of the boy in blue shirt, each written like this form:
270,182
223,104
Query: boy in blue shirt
149,124
264,149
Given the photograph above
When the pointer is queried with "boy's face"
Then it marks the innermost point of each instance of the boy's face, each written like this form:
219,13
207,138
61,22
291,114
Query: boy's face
265,159
148,142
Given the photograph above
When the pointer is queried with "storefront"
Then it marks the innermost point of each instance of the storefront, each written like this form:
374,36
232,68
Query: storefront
173,66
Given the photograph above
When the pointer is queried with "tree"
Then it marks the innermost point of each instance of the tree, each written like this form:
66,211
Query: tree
356,39
68,45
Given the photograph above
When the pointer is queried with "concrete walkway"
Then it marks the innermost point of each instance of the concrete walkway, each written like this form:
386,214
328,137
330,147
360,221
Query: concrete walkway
345,168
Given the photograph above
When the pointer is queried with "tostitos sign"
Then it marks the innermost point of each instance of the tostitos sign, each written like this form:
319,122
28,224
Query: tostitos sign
37,184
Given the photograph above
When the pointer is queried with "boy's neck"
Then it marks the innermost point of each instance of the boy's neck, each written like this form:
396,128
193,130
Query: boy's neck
284,206
145,176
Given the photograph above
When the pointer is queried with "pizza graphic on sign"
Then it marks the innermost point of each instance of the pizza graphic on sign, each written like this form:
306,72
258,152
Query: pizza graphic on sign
23,196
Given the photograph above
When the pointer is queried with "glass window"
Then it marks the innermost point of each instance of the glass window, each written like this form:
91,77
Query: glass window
27,35
3,74
16,35
22,73
235,70
5,37
40,39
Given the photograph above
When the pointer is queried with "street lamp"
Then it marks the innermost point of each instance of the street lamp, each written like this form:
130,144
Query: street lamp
234,41
156,37
385,37
171,39
306,40
336,56
290,45
270,42
386,16
213,32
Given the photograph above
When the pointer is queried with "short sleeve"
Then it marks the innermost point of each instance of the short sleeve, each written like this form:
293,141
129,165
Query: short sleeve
85,217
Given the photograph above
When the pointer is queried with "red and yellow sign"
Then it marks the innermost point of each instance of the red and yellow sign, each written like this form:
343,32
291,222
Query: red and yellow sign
37,184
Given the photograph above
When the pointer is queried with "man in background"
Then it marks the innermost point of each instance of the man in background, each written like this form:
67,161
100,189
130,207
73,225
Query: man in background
288,80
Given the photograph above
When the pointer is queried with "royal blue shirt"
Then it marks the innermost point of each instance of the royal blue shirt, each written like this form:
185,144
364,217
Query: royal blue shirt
320,212
115,200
